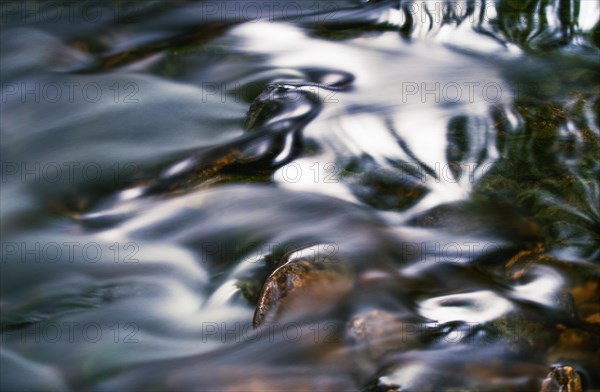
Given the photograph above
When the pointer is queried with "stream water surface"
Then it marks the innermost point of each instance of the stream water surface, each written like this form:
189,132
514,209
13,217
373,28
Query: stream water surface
300,195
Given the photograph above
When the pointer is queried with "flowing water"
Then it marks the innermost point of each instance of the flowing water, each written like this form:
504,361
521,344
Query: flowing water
423,175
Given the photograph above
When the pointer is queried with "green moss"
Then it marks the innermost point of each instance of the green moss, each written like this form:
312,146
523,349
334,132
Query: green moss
250,289
521,334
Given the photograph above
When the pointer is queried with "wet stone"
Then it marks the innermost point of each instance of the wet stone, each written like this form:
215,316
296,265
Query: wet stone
387,190
380,332
562,379
282,106
303,285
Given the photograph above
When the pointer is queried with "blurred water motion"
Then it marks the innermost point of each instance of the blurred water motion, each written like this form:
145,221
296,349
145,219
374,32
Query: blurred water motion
415,183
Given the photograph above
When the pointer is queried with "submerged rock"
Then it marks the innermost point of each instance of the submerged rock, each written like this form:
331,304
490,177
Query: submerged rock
302,284
562,379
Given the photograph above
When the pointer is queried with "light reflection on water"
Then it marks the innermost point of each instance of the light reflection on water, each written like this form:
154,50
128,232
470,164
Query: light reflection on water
478,307
446,168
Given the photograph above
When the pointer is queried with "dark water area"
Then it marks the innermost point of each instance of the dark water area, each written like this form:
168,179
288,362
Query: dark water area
300,195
